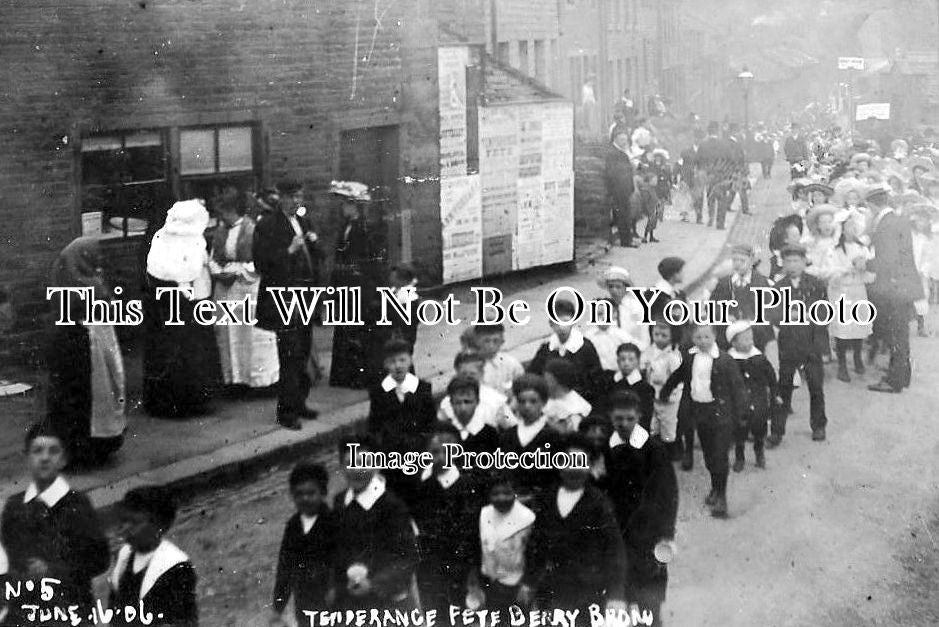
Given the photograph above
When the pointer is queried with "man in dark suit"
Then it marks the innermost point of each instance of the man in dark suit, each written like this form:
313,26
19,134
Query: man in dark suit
797,152
690,174
896,287
741,184
286,254
715,158
618,175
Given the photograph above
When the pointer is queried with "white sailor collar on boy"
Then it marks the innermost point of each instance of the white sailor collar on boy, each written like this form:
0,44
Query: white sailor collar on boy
633,378
527,433
369,496
476,424
666,287
446,479
753,352
51,495
307,522
637,438
164,557
573,344
408,386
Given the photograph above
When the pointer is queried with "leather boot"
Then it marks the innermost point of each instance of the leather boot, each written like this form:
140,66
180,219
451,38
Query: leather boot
719,510
711,498
738,458
758,452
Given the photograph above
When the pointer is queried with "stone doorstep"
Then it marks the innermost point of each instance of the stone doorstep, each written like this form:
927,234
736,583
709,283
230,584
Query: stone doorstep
240,461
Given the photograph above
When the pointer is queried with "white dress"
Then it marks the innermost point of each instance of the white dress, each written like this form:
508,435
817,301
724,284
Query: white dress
248,353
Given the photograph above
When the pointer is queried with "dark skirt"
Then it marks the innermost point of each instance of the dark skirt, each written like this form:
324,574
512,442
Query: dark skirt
354,358
181,369
357,359
69,399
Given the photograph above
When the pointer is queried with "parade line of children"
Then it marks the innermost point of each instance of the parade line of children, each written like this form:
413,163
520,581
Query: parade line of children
539,539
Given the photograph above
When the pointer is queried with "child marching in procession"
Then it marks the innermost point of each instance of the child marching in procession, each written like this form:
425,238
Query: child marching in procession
305,561
630,379
151,571
505,525
658,362
713,399
760,379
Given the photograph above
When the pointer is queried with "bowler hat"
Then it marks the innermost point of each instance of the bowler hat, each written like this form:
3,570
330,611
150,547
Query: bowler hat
289,186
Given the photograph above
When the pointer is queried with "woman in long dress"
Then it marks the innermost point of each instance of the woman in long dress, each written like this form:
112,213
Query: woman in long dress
247,353
86,402
180,360
356,357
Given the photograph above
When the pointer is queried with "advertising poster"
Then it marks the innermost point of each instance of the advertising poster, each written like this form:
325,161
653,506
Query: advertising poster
498,168
451,68
461,228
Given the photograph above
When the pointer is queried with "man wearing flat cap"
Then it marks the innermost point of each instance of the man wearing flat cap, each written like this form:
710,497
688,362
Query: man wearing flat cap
287,254
896,287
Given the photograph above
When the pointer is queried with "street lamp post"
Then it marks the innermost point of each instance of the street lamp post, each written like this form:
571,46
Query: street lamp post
746,77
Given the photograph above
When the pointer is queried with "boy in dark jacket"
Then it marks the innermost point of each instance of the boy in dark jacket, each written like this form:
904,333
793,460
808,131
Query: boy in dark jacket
401,409
568,343
576,556
447,516
305,562
713,400
644,491
630,379
531,434
151,570
51,531
800,346
376,549
760,379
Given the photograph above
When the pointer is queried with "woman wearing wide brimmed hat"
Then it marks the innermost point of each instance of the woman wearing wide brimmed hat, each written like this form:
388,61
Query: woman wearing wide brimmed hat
358,262
819,193
800,196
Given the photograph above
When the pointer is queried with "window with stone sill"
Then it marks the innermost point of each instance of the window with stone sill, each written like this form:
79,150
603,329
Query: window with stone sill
213,158
124,178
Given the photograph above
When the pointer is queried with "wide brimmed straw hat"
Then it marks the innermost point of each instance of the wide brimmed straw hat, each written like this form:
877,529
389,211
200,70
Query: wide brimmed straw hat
351,190
815,214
